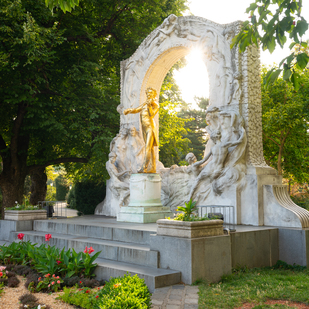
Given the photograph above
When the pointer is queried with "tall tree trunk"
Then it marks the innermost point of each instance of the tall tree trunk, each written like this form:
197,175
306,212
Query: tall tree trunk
12,187
38,185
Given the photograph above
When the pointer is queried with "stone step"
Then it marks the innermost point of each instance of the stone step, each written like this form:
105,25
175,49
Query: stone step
154,277
108,231
111,250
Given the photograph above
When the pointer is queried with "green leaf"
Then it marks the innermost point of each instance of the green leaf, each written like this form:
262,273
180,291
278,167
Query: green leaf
286,74
70,274
302,60
252,7
273,76
292,45
301,27
295,80
271,44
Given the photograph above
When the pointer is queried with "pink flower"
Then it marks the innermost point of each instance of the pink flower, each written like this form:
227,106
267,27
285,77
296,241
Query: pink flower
39,278
58,262
90,250
20,236
53,282
57,277
49,285
54,276
1,273
48,237
46,276
58,281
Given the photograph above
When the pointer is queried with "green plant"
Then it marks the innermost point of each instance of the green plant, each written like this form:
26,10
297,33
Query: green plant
125,292
82,297
16,253
187,210
25,206
1,288
182,217
47,283
49,260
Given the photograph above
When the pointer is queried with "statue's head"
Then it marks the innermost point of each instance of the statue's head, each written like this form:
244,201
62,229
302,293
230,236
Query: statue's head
151,93
212,115
132,131
190,158
215,136
112,157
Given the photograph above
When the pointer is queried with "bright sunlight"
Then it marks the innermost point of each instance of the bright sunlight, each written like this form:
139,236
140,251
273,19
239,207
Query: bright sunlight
193,78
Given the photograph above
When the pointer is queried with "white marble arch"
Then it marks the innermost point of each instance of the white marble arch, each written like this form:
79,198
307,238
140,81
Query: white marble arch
234,87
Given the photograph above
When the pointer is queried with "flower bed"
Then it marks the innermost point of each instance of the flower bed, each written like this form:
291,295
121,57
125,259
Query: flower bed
48,269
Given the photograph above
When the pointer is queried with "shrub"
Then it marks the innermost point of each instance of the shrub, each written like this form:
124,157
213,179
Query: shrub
62,188
82,297
29,300
88,195
125,292
13,282
71,200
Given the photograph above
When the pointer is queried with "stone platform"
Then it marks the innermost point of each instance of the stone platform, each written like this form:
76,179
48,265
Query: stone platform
165,260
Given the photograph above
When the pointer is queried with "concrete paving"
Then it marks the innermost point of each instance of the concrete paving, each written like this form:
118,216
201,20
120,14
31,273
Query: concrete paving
178,296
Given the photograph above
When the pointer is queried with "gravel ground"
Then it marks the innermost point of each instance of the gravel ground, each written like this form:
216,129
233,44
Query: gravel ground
9,299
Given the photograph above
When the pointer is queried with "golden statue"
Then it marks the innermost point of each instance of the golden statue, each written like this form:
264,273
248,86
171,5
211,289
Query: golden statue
147,111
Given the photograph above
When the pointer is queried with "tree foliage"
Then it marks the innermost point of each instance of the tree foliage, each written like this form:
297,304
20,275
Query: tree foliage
285,127
195,125
173,143
59,76
270,24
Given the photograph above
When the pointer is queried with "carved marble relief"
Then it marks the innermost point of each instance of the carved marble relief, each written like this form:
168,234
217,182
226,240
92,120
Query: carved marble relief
231,117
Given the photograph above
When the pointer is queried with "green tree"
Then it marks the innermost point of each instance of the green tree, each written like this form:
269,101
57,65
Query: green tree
270,24
172,130
195,125
285,127
59,76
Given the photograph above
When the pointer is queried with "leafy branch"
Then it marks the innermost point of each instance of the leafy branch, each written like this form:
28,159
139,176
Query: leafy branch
269,29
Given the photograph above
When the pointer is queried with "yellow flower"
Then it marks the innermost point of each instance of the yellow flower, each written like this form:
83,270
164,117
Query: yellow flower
117,285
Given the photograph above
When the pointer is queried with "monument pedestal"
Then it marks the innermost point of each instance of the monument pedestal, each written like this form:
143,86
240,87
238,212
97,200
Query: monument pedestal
145,200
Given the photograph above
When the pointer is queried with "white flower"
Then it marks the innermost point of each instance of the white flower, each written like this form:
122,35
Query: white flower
16,202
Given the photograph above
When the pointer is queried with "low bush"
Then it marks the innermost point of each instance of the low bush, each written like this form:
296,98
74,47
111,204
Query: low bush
88,195
83,297
127,292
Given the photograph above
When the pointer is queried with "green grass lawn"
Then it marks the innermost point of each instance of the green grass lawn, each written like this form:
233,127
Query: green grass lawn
256,286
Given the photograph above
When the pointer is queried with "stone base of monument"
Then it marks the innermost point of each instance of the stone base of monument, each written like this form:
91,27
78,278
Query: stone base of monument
145,200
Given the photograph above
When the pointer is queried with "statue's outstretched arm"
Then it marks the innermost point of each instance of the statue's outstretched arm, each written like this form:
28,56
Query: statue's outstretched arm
203,160
239,141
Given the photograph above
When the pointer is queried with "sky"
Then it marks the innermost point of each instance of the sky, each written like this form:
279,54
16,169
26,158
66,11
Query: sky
193,79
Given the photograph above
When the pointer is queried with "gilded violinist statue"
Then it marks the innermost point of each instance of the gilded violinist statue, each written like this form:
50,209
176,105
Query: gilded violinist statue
148,110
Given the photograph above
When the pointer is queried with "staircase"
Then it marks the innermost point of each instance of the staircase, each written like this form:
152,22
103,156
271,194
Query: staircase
124,246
